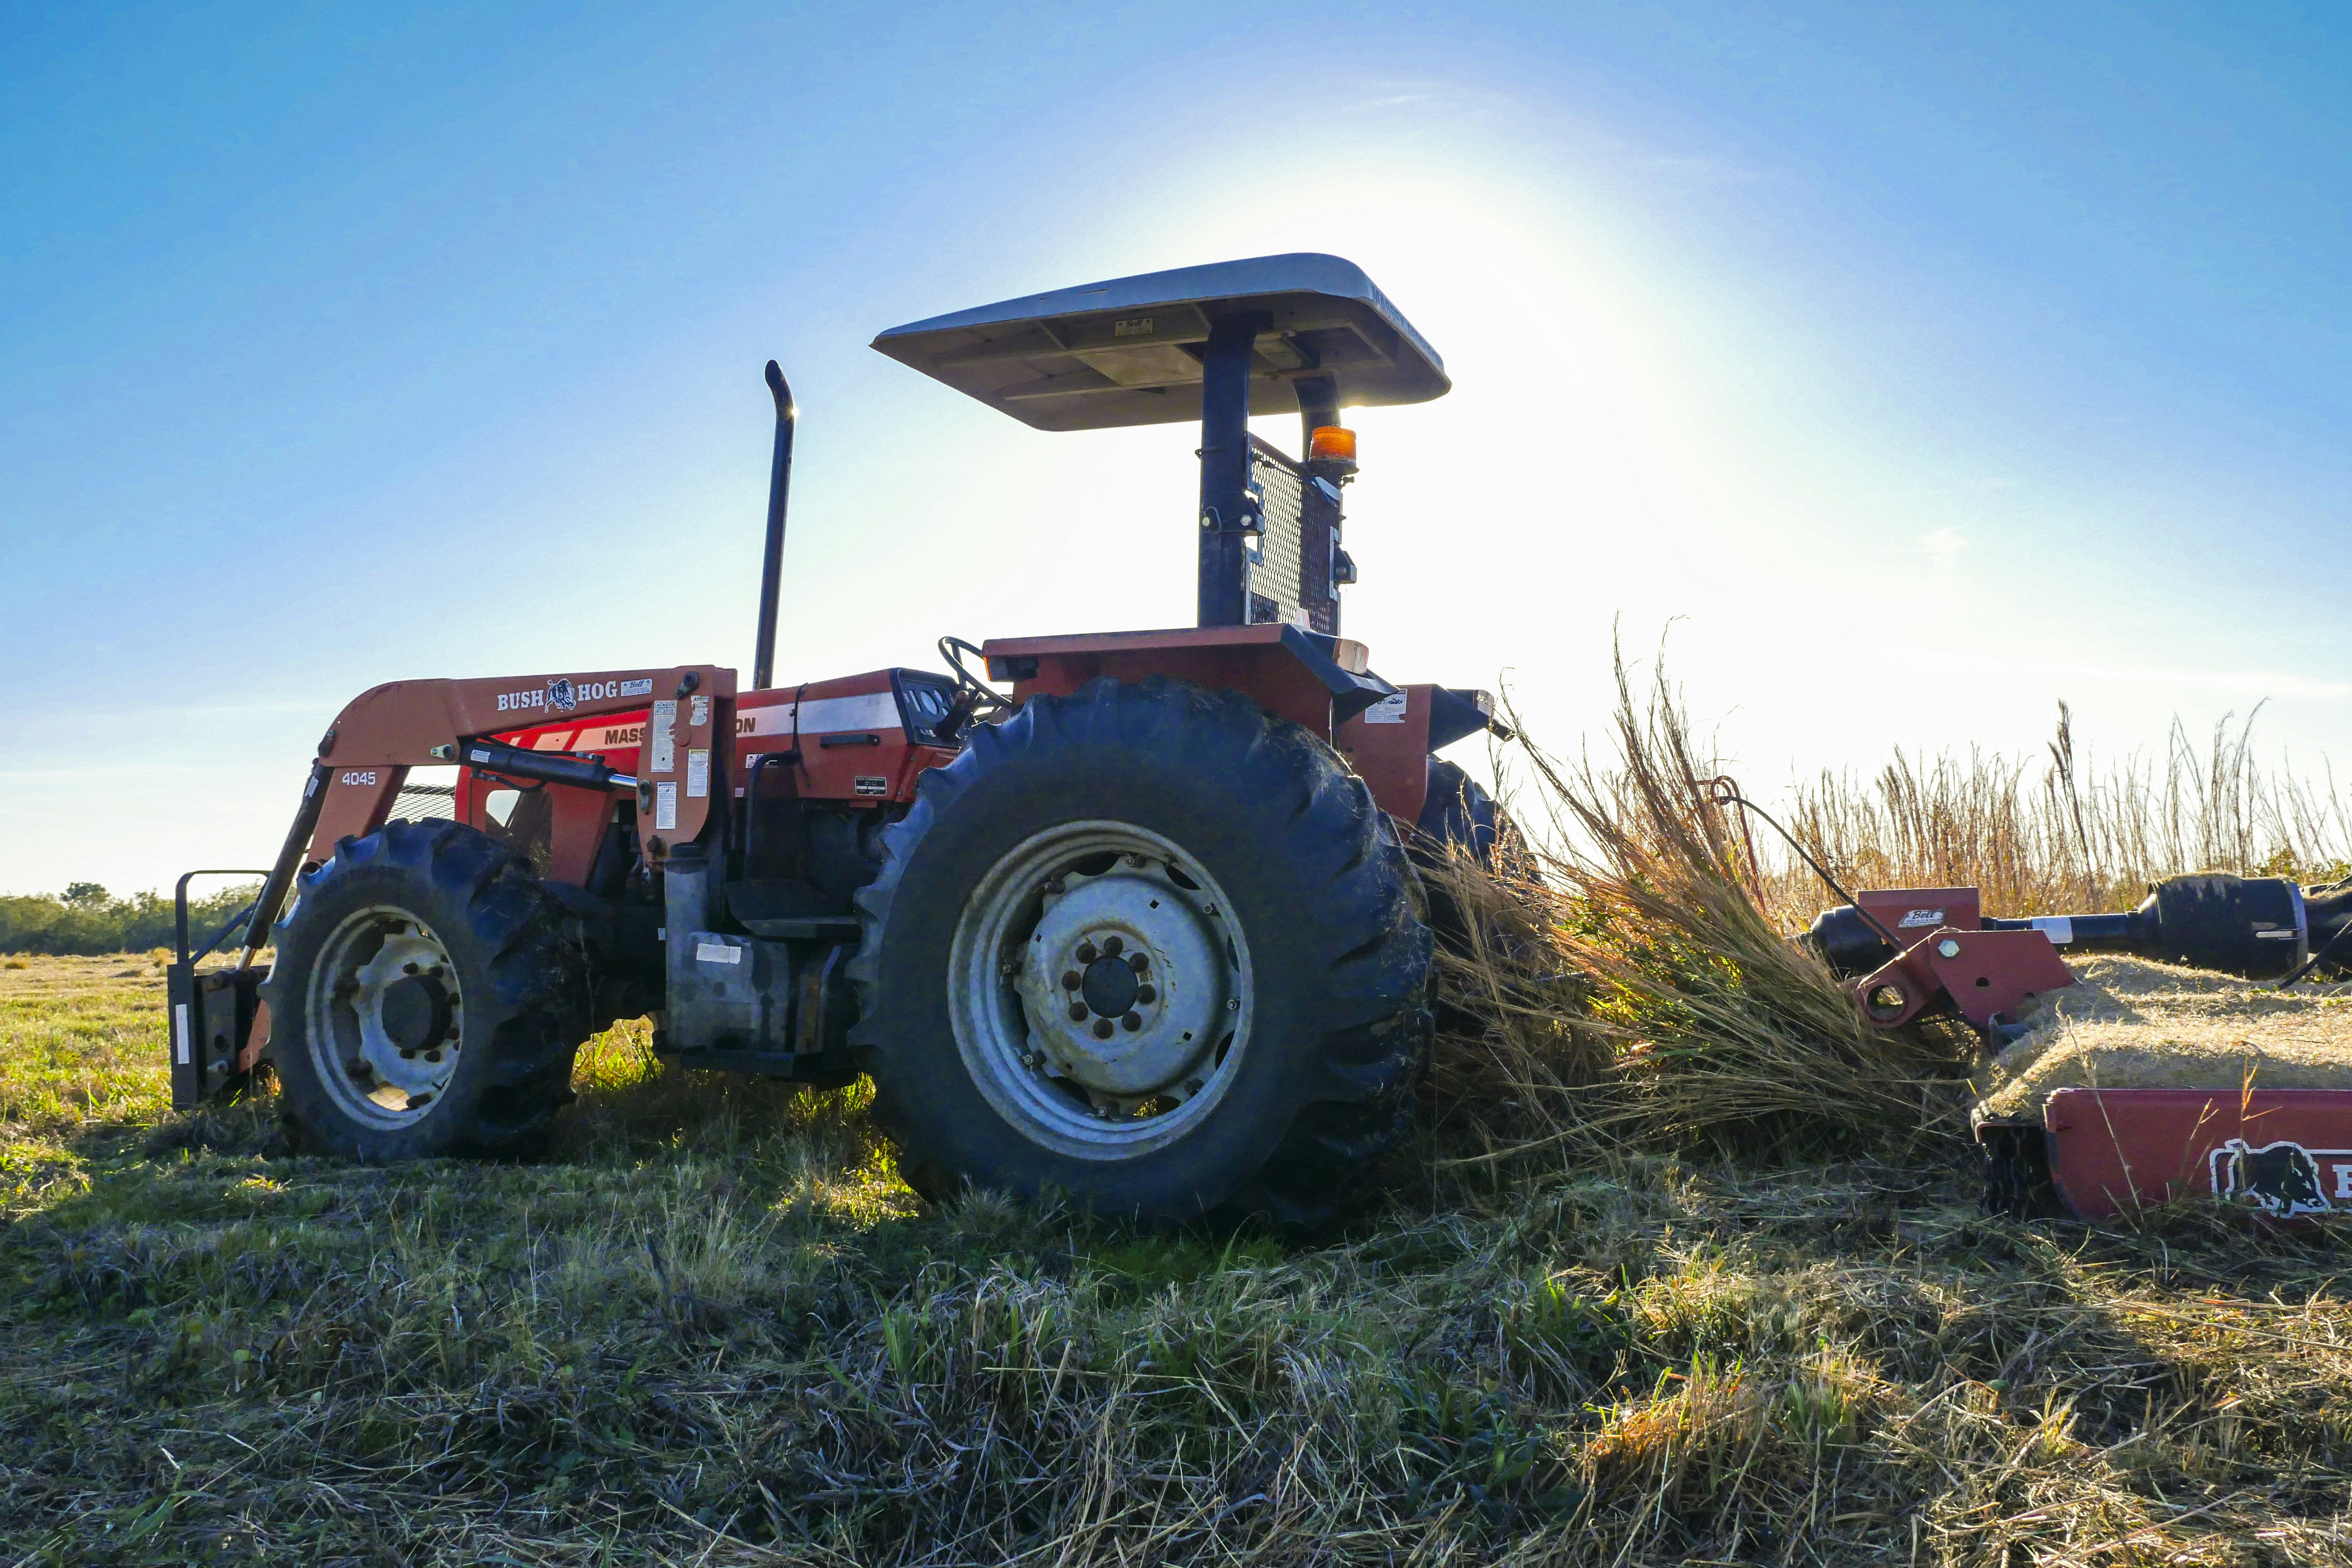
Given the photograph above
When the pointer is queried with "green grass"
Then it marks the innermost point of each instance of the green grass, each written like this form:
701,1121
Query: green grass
714,1329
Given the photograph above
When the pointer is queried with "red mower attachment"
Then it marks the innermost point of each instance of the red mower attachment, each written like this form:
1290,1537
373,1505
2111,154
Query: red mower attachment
1985,976
2097,1153
2282,1152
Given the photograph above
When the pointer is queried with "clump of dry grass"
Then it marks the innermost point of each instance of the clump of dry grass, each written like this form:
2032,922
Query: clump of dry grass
1630,982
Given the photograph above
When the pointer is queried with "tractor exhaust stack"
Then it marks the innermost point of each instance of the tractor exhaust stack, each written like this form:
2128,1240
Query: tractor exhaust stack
779,484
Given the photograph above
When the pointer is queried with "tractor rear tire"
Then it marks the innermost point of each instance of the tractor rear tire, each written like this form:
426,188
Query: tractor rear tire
1150,948
426,999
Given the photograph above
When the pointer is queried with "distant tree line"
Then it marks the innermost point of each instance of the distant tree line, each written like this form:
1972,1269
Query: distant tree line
87,919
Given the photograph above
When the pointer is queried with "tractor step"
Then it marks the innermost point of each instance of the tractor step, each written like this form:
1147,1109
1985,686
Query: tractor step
805,928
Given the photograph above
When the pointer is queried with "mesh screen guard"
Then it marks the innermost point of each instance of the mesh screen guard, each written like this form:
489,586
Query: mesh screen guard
1291,565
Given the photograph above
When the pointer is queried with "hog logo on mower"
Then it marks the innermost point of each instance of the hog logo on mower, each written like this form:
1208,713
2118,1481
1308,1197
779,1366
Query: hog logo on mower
2281,1179
561,696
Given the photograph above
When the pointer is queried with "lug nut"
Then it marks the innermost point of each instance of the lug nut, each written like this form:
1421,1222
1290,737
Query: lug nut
1087,953
1102,1028
1138,963
1146,993
1072,980
1077,1012
1132,1022
1111,946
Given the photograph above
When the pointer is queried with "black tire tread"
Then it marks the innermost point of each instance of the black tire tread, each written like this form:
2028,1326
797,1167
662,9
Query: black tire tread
1458,816
536,1006
1353,882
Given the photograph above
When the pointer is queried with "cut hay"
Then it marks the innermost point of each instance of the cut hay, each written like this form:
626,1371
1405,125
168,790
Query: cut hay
2130,1024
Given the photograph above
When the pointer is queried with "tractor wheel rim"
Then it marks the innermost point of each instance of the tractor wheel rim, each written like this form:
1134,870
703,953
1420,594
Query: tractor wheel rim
1100,990
386,1017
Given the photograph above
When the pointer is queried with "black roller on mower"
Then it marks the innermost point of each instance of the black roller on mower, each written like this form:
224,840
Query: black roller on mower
1149,945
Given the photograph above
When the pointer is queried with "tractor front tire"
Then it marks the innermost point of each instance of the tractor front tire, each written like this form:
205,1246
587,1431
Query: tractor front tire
1150,948
1457,813
426,999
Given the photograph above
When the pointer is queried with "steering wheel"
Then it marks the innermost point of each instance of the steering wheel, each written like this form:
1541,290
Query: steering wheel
980,697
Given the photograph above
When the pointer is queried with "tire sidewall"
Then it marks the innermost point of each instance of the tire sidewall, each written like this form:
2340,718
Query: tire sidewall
451,1126
1256,858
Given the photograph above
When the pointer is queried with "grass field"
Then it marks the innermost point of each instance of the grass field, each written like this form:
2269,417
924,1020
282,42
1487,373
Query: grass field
1687,1268
715,1329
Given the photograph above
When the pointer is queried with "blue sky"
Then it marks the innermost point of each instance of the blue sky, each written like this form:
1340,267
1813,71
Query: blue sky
1918,366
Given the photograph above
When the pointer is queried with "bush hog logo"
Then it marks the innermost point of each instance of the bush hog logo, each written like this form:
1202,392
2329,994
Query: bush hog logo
2284,1179
563,696
521,702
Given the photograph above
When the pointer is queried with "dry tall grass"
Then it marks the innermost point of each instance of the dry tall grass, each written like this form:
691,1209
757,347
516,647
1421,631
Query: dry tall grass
2057,833
1631,975
1632,984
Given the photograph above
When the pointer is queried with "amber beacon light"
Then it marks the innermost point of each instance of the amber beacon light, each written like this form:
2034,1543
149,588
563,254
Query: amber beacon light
1331,443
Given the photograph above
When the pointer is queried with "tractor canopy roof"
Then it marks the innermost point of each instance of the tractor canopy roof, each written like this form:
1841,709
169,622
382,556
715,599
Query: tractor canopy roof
1128,352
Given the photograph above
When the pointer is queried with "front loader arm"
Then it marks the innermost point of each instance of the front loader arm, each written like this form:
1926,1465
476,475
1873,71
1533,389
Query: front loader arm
364,756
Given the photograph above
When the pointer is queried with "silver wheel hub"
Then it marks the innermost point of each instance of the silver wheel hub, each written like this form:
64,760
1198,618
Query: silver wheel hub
386,1017
1125,981
1102,989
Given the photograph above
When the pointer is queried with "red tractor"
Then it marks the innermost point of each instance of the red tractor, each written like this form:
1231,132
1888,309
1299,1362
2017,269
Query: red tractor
1146,931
